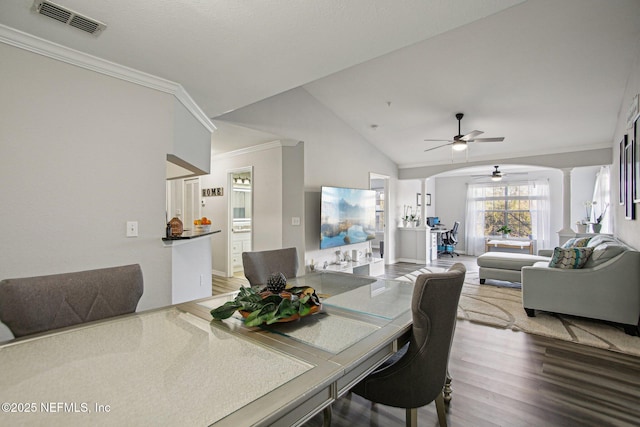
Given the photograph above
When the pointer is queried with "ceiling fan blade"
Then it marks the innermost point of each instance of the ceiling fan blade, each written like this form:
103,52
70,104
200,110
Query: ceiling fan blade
498,139
471,135
439,146
438,140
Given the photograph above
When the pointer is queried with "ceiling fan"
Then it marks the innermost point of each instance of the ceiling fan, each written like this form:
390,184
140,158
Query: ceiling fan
459,142
497,175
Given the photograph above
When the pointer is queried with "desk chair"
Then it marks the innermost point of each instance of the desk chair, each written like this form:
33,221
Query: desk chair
450,240
259,265
416,375
37,304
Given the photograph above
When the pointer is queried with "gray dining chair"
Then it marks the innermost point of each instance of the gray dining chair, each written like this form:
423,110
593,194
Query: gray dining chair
36,304
416,375
259,265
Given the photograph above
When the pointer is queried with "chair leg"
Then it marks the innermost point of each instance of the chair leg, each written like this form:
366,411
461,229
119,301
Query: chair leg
411,417
446,391
326,413
442,418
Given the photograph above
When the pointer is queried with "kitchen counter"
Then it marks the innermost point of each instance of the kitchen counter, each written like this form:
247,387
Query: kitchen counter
189,234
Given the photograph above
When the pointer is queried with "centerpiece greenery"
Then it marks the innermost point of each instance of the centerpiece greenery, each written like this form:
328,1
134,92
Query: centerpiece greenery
268,307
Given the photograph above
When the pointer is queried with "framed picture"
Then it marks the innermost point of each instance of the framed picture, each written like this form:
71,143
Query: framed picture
636,161
418,200
428,199
629,163
623,144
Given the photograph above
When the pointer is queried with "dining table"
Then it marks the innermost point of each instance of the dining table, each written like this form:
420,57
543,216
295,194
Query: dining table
176,365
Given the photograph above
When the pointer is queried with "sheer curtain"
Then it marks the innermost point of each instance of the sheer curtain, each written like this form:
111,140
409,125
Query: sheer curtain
602,197
475,219
540,213
474,222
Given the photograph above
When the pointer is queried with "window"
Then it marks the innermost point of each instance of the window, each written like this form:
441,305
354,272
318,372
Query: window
521,206
508,205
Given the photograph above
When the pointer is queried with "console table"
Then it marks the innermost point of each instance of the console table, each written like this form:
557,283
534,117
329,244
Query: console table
373,267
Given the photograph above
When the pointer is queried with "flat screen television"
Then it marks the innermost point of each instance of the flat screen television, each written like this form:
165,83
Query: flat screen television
347,216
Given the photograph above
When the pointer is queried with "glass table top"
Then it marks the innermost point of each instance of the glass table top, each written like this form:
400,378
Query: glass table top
170,366
329,330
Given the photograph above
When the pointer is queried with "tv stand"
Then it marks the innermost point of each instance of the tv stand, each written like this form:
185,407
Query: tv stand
375,267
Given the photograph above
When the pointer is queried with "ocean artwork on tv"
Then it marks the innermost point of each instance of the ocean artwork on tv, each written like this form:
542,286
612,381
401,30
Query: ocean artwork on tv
347,216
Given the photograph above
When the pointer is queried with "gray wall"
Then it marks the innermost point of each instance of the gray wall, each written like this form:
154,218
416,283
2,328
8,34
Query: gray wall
81,154
625,229
334,154
267,205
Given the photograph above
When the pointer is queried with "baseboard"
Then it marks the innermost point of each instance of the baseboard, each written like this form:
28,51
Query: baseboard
219,273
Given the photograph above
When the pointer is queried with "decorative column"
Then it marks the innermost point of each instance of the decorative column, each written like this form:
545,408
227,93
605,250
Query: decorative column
567,232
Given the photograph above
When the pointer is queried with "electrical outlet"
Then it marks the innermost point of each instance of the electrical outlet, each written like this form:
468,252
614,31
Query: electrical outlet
295,220
132,228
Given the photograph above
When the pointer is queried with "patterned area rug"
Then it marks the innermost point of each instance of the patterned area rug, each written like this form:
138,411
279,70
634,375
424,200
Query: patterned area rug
501,307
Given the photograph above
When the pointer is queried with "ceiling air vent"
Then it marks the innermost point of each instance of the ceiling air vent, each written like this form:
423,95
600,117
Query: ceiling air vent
68,16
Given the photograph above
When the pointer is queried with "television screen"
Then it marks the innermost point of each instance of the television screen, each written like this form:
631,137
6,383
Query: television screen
347,216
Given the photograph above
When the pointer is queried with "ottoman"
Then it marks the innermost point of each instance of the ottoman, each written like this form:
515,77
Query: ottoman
505,265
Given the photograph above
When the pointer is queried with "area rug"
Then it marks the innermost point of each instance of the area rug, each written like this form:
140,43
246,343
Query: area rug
501,306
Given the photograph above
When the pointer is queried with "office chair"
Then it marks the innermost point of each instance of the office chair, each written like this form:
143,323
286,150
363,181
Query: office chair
450,240
416,375
36,304
260,264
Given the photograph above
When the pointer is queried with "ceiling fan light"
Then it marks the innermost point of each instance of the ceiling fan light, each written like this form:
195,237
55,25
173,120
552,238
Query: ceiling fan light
459,145
496,178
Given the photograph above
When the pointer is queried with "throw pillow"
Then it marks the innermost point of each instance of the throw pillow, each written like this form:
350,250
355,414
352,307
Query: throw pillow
570,258
576,242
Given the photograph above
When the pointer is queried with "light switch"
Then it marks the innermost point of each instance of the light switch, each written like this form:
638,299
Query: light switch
132,228
295,220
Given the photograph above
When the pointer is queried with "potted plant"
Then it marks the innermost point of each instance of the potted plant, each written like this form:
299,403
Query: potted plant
408,218
505,230
597,226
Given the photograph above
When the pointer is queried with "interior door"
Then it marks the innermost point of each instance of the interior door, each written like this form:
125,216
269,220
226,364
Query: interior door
191,202
240,200
380,183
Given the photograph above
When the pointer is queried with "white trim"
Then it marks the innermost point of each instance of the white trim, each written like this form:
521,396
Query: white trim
252,149
40,46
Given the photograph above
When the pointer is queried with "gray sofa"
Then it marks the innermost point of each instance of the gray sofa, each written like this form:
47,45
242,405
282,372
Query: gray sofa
606,288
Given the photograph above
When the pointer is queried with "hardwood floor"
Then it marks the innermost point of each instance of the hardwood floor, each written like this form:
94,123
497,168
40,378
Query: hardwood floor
507,378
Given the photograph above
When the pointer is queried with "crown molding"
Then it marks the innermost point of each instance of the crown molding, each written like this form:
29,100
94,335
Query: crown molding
52,50
253,149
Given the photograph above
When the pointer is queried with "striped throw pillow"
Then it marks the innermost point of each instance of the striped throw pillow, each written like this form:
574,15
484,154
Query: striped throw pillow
570,258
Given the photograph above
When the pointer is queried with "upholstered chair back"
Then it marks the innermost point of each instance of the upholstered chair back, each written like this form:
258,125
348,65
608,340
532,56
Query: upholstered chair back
418,376
37,304
259,265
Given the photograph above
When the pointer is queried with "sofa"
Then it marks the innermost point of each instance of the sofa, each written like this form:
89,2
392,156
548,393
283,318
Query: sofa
606,287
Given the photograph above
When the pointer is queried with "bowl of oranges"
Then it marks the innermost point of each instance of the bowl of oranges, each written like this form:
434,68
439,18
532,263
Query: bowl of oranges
202,225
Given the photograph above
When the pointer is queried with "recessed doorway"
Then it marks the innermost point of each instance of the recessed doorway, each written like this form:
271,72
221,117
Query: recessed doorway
240,200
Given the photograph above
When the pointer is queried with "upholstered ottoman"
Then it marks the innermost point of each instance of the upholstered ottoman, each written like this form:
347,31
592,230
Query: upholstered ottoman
505,265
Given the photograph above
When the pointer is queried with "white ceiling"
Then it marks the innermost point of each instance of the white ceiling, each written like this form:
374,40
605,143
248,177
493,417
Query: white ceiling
548,75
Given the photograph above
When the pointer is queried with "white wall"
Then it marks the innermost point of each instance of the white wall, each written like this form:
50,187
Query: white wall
267,232
191,140
627,230
81,154
334,154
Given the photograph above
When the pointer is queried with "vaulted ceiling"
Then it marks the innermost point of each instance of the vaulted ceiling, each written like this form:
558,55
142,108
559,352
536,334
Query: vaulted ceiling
548,75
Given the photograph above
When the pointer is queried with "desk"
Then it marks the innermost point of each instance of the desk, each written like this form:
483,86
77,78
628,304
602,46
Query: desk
174,366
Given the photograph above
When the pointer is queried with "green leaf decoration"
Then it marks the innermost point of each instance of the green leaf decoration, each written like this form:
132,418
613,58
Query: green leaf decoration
269,309
225,311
